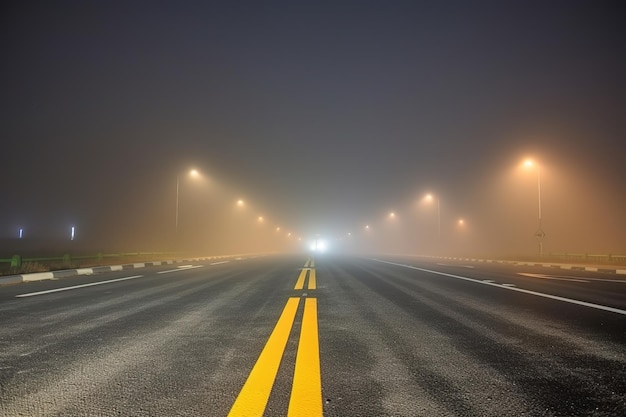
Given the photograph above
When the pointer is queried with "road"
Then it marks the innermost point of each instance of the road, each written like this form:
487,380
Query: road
332,336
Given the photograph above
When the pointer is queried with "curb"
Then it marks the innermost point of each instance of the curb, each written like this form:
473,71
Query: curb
574,267
65,273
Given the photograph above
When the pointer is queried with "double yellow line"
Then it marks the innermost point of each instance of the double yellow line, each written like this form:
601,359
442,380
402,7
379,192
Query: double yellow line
302,277
306,391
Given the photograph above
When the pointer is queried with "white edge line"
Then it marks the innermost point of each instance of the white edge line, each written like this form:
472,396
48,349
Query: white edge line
76,286
218,263
553,277
180,269
538,294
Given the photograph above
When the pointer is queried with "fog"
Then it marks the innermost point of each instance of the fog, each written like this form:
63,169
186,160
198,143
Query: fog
323,118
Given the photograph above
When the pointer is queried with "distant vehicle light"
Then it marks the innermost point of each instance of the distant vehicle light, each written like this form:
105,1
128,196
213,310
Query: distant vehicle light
319,246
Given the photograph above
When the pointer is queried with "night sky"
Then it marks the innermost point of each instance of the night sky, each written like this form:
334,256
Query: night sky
322,116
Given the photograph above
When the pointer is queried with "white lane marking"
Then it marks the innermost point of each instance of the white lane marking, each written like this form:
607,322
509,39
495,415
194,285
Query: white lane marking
488,280
570,278
74,287
218,263
623,281
538,294
508,285
554,277
457,266
180,268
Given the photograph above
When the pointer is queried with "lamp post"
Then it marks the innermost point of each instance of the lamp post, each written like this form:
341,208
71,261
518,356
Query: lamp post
539,234
193,173
429,197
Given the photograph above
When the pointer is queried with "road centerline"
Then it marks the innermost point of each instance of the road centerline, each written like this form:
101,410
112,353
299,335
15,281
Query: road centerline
306,392
301,278
253,397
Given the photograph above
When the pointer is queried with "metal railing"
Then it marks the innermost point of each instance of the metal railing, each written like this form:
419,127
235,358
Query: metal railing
590,257
18,264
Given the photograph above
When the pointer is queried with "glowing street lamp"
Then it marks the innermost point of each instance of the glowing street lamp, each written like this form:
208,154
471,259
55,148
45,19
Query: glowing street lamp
392,215
240,203
193,174
430,198
539,234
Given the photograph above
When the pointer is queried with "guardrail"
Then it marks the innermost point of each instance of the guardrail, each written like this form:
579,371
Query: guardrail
590,257
19,264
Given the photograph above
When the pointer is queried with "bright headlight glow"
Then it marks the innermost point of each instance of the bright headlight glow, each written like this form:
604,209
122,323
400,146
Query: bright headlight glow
318,245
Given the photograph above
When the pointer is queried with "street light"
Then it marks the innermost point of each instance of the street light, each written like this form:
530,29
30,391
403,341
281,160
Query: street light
539,234
193,174
430,198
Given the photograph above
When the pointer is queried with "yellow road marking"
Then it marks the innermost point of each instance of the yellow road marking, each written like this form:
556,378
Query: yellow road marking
300,281
312,280
306,393
253,397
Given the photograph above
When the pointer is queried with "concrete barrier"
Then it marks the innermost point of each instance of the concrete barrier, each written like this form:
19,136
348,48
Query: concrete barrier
64,273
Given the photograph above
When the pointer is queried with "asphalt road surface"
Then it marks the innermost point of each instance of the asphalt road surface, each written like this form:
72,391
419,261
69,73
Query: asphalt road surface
332,336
